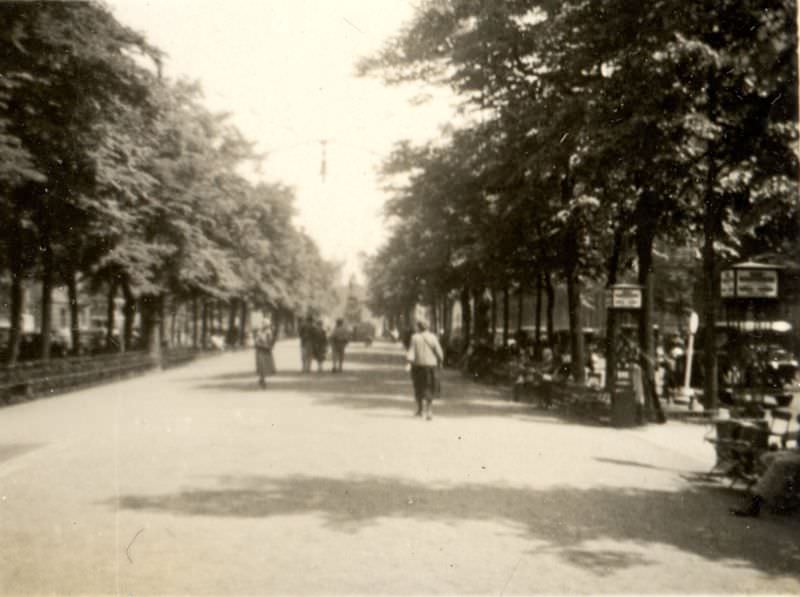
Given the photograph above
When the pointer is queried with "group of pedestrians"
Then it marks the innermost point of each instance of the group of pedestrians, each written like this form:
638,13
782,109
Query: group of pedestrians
424,356
314,342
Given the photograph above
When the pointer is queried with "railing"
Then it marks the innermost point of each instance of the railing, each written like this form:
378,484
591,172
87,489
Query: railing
29,379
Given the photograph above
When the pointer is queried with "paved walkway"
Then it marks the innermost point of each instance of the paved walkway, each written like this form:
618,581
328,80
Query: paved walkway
194,481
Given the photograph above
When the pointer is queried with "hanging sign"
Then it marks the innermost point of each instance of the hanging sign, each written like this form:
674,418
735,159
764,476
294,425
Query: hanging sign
624,297
757,283
727,284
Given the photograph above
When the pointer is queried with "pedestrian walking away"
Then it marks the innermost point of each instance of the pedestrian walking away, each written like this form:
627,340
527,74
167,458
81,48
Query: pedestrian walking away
339,339
319,344
265,362
306,333
425,357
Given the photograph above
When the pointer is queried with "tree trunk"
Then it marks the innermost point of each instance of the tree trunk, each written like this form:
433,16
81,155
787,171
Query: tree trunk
434,315
571,260
129,311
644,251
204,325
277,321
152,325
712,215
47,299
466,317
146,320
162,322
493,315
575,325
17,298
243,330
611,314
520,305
232,333
506,301
550,293
481,316
710,294
173,323
446,315
74,312
111,312
537,338
194,322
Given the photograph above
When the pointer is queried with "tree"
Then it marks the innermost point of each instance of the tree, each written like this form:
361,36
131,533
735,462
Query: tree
67,64
640,114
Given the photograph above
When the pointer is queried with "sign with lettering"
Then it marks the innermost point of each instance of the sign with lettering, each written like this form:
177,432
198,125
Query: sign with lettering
623,380
626,297
757,283
727,284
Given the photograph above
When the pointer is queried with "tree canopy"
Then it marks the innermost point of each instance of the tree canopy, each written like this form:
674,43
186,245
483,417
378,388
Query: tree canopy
123,177
598,129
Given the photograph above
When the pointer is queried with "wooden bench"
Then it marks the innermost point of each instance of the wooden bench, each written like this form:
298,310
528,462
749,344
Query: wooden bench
738,444
585,400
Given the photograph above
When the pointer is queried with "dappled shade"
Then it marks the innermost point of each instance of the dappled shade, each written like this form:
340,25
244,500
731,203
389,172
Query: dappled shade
563,518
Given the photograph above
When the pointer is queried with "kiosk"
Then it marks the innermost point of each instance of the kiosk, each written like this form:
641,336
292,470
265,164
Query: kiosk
755,360
626,399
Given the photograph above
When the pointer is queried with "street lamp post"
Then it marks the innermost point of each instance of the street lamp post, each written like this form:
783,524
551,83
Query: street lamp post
686,390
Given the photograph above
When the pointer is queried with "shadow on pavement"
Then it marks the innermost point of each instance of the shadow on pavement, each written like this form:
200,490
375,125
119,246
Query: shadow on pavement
384,355
636,464
9,451
382,388
564,518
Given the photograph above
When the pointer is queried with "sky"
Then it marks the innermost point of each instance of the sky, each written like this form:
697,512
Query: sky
285,71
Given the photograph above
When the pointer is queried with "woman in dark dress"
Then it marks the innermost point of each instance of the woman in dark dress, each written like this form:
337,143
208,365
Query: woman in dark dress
319,344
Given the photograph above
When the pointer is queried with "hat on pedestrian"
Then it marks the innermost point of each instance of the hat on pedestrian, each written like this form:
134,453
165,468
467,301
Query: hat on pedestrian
422,324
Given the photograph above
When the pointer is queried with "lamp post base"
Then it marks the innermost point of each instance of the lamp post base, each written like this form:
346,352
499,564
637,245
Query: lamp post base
688,395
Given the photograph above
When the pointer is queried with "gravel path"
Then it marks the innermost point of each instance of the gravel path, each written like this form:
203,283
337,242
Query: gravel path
194,481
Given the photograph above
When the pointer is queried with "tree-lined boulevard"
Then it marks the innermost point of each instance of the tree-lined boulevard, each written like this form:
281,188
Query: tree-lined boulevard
635,161
194,481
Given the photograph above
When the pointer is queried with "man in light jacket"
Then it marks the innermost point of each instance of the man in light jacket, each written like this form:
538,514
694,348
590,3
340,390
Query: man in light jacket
425,357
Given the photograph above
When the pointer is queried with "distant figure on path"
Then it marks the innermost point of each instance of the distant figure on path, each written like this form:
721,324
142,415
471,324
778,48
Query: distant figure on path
339,339
265,362
306,334
425,357
319,344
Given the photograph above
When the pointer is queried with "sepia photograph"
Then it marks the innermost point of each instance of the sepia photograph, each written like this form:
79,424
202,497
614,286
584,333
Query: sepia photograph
399,297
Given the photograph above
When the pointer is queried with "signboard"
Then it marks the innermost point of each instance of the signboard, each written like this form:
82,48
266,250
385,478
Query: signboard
623,380
757,283
624,298
727,284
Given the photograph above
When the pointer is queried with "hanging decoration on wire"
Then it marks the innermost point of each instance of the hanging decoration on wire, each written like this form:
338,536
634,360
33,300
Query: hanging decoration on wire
323,166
